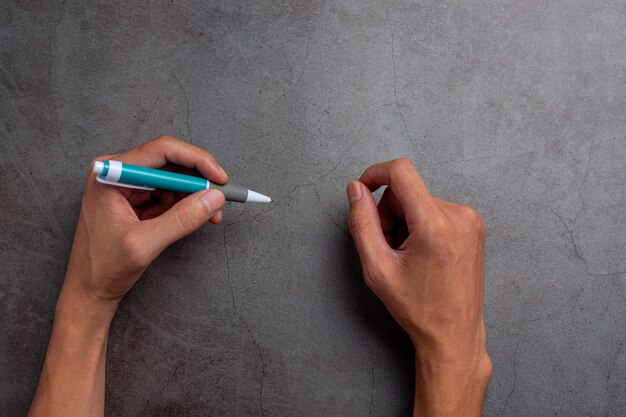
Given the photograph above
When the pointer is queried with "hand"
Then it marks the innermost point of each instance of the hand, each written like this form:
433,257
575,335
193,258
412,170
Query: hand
424,258
121,231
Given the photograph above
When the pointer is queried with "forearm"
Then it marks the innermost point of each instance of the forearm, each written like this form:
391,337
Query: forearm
450,389
72,378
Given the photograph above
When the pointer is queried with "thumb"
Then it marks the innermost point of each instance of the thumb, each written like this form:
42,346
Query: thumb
364,224
182,219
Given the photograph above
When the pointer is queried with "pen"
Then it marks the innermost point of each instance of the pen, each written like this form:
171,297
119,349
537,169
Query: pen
142,178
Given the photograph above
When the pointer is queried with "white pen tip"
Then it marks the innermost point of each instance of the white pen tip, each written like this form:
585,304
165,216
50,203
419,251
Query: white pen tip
254,197
98,167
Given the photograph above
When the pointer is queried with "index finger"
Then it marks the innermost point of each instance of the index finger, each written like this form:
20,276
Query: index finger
158,152
408,187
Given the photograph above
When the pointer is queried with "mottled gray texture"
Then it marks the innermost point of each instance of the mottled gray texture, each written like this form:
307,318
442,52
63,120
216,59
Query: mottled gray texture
516,107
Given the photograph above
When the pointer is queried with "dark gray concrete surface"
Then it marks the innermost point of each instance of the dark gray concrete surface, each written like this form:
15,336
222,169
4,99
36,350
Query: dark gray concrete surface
516,107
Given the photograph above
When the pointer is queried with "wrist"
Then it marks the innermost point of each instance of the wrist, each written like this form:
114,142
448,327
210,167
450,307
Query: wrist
75,303
450,387
79,330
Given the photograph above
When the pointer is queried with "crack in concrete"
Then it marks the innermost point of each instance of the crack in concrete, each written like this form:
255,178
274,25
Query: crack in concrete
355,140
577,252
253,339
285,197
230,284
261,360
506,402
586,174
332,219
491,326
293,85
525,168
558,313
161,390
180,86
395,77
568,226
395,93
610,367
53,96
372,389
12,157
187,361
589,155
9,86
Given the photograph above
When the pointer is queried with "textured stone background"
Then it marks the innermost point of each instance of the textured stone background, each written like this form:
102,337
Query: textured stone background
516,107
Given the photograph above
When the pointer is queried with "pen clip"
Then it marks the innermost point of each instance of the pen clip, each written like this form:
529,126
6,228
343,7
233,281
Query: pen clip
103,180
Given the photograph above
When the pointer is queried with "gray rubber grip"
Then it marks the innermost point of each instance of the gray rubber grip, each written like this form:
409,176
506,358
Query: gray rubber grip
232,192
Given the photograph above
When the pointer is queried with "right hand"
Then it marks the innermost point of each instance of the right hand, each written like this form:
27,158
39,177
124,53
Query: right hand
424,258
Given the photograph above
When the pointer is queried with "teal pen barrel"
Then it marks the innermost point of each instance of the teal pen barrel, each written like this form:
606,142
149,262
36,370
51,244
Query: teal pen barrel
165,180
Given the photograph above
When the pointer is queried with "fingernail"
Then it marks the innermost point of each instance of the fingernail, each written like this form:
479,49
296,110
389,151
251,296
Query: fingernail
213,200
222,171
353,191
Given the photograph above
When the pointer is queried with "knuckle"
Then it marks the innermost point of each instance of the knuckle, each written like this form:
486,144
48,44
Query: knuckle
471,218
442,226
442,236
375,282
376,278
469,213
403,165
381,276
140,149
133,250
164,139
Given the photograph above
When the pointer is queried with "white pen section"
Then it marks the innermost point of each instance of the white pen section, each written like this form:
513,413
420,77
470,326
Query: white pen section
98,167
115,171
254,197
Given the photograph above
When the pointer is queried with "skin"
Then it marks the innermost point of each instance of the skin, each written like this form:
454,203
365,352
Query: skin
422,256
119,233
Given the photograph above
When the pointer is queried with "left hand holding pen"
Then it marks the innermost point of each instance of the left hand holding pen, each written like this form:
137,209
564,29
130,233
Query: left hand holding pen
121,231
